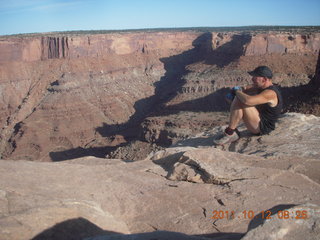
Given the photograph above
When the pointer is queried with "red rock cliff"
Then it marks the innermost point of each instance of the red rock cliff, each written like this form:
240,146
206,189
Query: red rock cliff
74,92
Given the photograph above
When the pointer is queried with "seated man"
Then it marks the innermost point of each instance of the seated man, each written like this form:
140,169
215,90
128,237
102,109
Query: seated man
259,112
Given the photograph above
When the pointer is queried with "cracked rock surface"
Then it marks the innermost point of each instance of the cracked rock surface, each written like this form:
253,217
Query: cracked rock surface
191,190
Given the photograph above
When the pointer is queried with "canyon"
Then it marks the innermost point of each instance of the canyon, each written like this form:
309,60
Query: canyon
65,96
110,136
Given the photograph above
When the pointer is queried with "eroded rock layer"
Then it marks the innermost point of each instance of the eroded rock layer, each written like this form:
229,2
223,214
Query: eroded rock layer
66,95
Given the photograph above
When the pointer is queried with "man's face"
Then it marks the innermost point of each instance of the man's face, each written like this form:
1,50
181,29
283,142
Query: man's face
258,82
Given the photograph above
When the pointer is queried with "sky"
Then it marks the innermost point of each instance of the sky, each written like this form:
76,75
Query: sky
33,16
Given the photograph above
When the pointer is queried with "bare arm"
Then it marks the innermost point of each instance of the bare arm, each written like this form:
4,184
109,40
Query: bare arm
248,87
250,90
266,96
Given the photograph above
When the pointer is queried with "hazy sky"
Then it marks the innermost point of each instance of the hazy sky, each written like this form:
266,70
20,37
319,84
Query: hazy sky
28,16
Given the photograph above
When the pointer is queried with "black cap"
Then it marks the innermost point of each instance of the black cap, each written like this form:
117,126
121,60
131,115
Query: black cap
261,71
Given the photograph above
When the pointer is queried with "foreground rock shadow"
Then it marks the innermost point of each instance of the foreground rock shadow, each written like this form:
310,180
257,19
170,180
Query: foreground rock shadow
83,229
80,228
72,229
166,235
260,218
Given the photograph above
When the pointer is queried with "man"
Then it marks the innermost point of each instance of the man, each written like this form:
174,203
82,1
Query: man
259,112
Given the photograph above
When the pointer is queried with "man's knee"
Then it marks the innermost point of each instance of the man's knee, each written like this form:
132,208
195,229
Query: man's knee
237,104
251,118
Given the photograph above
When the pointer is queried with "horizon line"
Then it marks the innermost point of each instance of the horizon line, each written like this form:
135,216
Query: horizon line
162,29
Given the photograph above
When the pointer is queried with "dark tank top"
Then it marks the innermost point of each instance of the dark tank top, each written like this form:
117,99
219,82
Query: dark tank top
269,115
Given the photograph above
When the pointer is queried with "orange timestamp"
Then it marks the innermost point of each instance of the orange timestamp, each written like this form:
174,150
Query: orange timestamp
250,214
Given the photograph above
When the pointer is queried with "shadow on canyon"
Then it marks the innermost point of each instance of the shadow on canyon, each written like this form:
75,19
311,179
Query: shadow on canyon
294,100
171,84
165,90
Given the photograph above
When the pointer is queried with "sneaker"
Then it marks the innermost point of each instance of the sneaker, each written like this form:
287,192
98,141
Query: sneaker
227,138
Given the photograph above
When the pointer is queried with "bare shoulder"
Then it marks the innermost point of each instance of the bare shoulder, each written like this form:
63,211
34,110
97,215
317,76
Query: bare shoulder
271,97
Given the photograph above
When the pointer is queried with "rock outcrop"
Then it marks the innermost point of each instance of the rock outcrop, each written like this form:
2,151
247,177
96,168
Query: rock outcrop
65,96
188,191
288,226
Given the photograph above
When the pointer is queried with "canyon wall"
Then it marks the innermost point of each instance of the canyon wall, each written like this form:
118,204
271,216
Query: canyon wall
68,95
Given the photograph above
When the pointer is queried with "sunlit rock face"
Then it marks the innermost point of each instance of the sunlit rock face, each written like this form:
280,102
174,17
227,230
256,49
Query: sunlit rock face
70,95
258,186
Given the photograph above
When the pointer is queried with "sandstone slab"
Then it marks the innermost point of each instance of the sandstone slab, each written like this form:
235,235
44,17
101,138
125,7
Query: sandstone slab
192,189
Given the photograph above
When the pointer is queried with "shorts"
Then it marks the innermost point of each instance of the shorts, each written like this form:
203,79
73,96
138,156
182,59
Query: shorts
265,127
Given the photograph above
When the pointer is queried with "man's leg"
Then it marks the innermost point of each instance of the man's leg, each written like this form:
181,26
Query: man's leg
238,112
249,115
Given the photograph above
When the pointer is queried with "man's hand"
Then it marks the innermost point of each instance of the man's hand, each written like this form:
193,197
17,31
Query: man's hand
231,95
235,89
